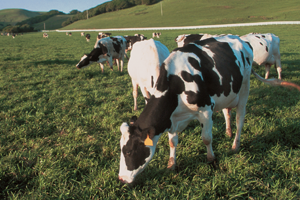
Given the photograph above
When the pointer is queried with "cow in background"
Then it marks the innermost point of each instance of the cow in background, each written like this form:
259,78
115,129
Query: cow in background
265,50
156,35
45,35
144,65
133,39
82,34
106,49
87,37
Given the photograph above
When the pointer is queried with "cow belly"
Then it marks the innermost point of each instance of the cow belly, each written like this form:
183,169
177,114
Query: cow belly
222,102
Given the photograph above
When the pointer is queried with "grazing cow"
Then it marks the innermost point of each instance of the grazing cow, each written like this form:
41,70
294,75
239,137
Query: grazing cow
133,39
194,81
156,35
87,37
265,50
82,34
70,34
106,49
185,39
45,35
143,67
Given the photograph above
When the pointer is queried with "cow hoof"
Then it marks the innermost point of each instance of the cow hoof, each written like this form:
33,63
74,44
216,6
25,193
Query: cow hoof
171,164
214,164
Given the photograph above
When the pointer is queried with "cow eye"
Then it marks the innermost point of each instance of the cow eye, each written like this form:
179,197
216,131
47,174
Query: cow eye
128,153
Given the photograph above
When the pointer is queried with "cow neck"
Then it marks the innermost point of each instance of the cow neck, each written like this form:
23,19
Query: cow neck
157,113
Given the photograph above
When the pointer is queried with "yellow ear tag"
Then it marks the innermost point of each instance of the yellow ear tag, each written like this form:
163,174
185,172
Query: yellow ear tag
148,141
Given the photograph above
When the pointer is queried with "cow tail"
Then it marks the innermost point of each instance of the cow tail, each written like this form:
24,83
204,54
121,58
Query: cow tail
275,82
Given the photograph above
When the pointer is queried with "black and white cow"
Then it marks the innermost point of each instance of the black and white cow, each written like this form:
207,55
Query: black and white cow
144,64
195,81
87,37
154,34
265,50
106,49
133,39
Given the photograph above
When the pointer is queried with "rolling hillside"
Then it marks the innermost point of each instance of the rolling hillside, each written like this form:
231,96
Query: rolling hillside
194,12
52,23
12,16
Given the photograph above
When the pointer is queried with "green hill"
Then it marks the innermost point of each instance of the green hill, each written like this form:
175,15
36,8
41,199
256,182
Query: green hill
194,12
12,16
52,23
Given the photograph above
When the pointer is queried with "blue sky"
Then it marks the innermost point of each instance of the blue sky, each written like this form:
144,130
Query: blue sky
46,5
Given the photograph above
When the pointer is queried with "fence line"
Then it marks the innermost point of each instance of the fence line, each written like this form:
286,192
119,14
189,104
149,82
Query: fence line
183,27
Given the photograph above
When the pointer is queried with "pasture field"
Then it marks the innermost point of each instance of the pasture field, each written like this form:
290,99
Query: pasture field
59,128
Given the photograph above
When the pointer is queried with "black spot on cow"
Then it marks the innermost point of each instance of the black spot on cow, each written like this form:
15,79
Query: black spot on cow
187,76
243,58
248,61
201,98
152,82
191,38
263,36
267,49
117,44
261,43
257,36
162,85
195,63
249,45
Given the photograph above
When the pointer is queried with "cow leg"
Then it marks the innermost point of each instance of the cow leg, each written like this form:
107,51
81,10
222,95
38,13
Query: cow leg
122,63
205,119
118,64
135,94
173,141
279,72
267,66
102,67
110,63
145,93
227,115
240,114
278,66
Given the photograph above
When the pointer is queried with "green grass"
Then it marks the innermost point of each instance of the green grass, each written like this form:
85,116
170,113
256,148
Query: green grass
59,135
194,12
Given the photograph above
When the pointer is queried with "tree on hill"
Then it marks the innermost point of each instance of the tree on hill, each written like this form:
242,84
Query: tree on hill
74,12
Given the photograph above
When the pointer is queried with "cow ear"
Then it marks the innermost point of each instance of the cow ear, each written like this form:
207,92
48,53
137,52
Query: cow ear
124,128
149,136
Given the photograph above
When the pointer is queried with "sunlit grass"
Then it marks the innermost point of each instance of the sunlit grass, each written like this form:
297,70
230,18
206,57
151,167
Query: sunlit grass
60,128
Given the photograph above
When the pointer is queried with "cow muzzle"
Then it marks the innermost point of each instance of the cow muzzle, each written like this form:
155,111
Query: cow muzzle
125,180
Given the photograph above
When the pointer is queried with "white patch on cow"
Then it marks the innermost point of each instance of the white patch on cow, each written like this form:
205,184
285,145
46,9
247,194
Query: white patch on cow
143,67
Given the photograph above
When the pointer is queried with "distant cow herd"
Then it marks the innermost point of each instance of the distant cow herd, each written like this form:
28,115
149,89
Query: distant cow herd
204,74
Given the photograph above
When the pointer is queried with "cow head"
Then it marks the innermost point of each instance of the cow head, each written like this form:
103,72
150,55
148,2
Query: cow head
137,149
97,55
